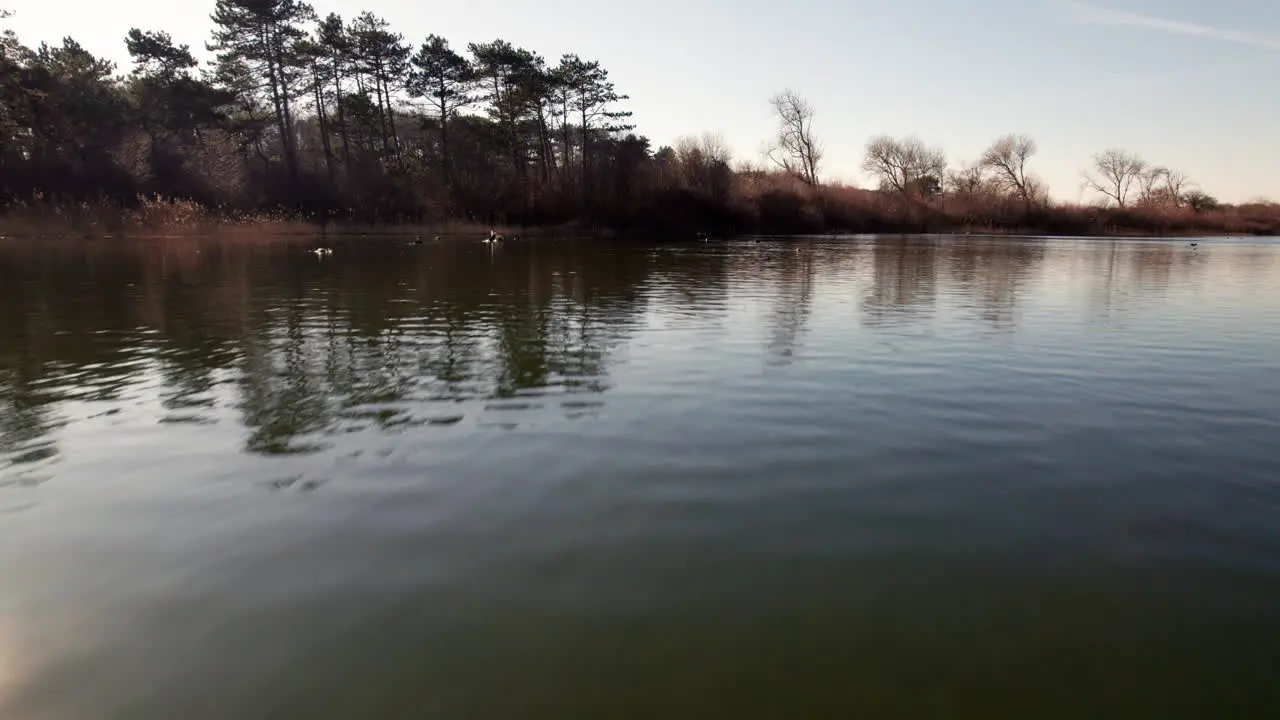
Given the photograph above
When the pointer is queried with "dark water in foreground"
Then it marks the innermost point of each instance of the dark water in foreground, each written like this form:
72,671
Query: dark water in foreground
927,477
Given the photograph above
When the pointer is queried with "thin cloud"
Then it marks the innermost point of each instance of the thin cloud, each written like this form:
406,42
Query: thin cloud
1094,15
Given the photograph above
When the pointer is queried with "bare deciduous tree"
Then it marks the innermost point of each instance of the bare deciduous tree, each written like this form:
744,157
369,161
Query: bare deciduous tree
1200,201
968,180
1162,186
715,147
1150,183
1037,191
795,149
905,166
1175,186
1117,171
705,162
1007,157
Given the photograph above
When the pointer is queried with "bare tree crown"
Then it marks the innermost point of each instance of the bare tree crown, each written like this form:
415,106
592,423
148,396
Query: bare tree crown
1117,171
795,149
1007,158
906,166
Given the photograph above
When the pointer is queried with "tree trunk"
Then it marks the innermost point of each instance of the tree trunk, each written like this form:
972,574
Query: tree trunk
391,113
565,140
266,161
391,125
586,133
342,116
281,96
274,82
446,161
545,156
322,118
382,115
365,143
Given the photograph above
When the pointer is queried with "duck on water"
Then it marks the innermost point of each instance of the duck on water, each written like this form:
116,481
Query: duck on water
494,237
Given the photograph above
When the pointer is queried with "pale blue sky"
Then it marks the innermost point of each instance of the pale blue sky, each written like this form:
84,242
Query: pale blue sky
1186,84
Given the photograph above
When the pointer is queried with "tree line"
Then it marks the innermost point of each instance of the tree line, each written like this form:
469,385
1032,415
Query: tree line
333,118
1121,178
329,115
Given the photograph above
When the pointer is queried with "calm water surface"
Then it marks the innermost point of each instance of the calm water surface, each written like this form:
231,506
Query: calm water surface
922,477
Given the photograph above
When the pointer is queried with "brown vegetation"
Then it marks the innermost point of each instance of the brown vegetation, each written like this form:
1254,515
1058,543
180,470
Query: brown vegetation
770,202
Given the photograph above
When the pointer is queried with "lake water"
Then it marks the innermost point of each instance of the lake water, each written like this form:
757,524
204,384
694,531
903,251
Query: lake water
849,477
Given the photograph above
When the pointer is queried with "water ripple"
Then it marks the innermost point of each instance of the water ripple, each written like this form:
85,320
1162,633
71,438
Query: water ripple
639,451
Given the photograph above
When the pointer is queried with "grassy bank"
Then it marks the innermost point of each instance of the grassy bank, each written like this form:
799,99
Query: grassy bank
157,215
769,204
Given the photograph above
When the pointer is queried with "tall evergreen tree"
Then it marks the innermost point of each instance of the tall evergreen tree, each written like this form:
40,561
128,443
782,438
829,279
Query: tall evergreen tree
315,57
332,36
447,79
170,98
503,71
593,98
171,106
383,59
263,36
12,117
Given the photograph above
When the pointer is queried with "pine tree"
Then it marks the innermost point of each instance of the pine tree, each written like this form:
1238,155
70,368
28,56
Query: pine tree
448,80
383,58
592,96
332,36
263,36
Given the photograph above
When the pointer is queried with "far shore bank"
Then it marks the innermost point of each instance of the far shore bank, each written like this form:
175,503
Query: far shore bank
449,233
157,217
446,232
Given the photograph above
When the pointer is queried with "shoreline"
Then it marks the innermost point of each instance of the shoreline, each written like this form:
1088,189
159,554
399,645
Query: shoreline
181,218
541,234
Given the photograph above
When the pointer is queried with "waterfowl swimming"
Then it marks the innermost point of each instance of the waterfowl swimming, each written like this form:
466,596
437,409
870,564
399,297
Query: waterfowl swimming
493,237
1195,244
322,251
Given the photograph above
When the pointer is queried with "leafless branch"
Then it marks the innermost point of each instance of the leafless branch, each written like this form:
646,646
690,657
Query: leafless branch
906,166
1007,157
1117,171
795,150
